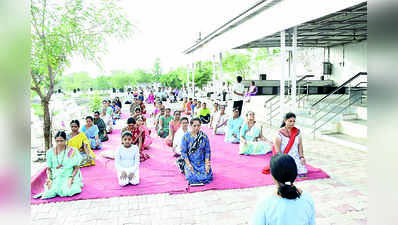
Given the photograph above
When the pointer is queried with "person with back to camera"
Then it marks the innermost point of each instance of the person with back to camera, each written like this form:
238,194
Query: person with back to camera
289,205
238,93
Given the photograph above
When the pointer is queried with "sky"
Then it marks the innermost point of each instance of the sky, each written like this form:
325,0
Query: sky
164,29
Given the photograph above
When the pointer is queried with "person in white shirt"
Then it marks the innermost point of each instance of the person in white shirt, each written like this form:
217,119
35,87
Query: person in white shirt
179,135
220,121
127,161
238,94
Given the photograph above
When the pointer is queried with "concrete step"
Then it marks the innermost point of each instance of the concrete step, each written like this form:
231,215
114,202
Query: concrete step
346,140
355,127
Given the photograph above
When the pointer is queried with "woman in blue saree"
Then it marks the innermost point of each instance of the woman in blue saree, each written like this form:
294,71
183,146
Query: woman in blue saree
91,132
233,128
195,151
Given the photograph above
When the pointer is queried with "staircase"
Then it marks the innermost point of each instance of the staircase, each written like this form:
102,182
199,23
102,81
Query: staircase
338,118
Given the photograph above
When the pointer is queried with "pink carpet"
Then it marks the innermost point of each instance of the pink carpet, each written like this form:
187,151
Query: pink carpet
159,174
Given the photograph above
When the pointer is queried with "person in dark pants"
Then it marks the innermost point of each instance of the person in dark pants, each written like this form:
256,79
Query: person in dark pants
238,94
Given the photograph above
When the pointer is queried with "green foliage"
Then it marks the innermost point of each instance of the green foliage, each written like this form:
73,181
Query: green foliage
77,80
203,73
236,64
102,83
95,103
38,109
141,76
174,78
121,79
157,70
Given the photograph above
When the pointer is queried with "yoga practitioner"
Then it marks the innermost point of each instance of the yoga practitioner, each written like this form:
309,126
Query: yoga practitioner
79,141
107,115
220,121
142,125
204,114
91,132
195,151
164,122
103,136
289,141
178,136
174,125
127,161
289,205
234,124
138,137
63,171
252,141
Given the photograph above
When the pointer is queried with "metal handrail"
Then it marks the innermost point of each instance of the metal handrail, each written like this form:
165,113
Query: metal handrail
340,87
270,99
304,77
336,114
324,107
362,82
330,111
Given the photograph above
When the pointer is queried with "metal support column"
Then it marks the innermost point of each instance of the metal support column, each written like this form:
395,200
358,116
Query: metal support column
187,89
193,79
282,106
294,75
214,76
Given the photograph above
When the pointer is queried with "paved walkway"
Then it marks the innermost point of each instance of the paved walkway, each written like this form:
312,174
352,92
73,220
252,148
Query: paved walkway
342,199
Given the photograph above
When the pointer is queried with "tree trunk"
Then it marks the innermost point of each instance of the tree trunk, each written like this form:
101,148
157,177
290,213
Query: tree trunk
47,124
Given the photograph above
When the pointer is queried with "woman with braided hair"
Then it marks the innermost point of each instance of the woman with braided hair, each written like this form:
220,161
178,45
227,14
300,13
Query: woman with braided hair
288,205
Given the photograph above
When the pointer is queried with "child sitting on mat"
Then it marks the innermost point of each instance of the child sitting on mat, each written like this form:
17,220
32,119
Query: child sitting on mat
127,161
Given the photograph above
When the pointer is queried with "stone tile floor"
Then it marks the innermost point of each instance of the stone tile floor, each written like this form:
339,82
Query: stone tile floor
342,199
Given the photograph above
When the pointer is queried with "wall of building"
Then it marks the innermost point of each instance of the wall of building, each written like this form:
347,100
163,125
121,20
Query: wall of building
348,60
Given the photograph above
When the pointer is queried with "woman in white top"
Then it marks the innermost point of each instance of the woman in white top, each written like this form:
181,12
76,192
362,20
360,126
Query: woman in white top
220,121
127,161
288,205
184,128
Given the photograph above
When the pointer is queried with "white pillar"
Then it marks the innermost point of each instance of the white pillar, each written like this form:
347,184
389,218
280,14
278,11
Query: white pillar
221,73
193,79
282,109
294,75
214,75
187,81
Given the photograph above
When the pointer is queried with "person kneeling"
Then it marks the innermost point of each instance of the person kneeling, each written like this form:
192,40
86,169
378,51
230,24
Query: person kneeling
195,151
127,161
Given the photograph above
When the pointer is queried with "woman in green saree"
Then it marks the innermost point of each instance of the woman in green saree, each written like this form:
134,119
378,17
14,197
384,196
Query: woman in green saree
63,171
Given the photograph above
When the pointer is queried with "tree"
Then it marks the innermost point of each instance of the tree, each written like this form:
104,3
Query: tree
237,64
141,76
103,82
121,79
203,73
157,70
62,29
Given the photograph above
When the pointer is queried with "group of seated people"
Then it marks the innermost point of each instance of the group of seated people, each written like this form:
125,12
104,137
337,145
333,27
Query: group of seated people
111,112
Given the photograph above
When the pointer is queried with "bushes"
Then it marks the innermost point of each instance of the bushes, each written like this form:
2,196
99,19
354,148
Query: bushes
95,103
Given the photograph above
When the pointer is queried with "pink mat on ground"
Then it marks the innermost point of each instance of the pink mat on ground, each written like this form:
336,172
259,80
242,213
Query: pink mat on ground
159,174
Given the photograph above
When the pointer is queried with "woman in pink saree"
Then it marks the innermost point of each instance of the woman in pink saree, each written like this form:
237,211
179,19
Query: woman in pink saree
147,132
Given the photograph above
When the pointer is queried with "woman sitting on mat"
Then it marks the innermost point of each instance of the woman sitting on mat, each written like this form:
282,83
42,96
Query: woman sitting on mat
91,132
164,122
196,110
220,121
174,125
179,135
142,106
127,161
63,172
288,205
79,141
233,127
252,141
215,112
116,111
204,114
142,125
188,108
151,98
195,151
289,141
